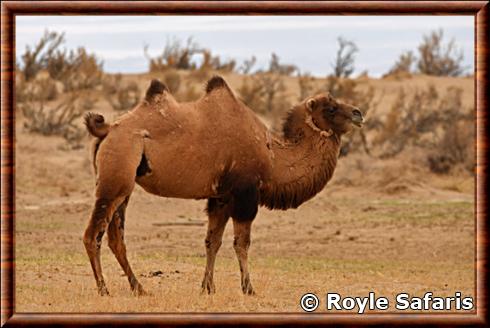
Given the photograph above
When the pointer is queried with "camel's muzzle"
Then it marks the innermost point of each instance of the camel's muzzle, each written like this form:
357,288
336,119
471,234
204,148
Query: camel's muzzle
357,117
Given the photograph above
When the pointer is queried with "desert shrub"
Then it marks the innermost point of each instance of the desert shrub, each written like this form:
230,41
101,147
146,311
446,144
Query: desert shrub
75,69
36,59
345,57
251,93
172,80
436,58
175,55
275,67
200,75
39,89
262,92
456,148
110,83
126,95
189,93
404,64
247,65
81,70
434,122
306,85
56,119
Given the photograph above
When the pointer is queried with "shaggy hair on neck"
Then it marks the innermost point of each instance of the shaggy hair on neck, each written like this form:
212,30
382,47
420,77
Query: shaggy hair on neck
294,193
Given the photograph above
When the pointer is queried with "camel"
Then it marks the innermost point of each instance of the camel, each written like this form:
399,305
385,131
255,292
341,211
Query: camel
217,149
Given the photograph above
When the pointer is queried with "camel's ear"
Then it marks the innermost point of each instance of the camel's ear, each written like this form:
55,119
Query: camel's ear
156,88
311,104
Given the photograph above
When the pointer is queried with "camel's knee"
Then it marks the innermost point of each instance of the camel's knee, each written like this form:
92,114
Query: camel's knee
92,238
241,243
92,241
212,244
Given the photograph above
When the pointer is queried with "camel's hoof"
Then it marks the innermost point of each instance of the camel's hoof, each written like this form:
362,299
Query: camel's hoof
247,288
139,291
208,287
103,291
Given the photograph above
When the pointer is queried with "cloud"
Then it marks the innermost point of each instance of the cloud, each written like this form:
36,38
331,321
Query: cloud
165,24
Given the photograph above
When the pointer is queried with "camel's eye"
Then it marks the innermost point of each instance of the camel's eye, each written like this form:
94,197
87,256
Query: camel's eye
332,110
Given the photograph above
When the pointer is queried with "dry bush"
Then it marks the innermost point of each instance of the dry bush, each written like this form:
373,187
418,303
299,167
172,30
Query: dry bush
110,83
275,67
211,62
175,55
264,93
430,121
126,97
57,119
188,93
172,80
80,70
39,89
344,60
75,69
306,85
35,59
251,93
248,64
438,59
200,75
403,66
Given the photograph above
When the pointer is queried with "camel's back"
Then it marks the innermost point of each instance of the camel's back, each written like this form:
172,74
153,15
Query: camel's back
191,146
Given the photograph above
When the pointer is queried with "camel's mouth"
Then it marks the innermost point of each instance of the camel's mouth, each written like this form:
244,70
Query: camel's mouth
358,123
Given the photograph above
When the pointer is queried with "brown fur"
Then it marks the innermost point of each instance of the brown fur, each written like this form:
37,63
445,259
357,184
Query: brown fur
217,149
156,88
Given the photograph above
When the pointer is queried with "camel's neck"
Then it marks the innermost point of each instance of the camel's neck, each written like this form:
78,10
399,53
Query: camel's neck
300,169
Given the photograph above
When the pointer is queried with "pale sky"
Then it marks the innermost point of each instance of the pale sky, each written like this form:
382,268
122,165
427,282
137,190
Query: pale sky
306,41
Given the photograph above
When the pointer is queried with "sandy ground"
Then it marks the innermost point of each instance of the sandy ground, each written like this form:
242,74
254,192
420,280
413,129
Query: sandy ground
387,227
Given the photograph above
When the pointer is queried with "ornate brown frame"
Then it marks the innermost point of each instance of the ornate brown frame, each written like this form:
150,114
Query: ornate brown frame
9,9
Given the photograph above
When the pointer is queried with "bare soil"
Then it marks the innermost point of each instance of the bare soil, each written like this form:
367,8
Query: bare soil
383,226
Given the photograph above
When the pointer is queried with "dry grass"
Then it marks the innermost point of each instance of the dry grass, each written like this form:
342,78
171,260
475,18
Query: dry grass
402,236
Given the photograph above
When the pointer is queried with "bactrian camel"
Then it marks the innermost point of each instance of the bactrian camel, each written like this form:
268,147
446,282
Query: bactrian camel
217,149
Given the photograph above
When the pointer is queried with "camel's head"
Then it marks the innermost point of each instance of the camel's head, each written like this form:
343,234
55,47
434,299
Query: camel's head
331,115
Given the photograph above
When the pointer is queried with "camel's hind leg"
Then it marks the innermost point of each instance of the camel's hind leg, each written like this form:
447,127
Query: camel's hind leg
117,161
118,247
218,217
101,215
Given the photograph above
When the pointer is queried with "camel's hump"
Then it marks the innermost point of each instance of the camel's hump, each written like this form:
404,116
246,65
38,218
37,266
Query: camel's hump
156,88
216,82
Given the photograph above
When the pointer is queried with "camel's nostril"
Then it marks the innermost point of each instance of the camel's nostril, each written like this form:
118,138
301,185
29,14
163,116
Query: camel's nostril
357,112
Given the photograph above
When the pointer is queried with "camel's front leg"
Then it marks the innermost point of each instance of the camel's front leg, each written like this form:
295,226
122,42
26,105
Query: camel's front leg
218,217
241,244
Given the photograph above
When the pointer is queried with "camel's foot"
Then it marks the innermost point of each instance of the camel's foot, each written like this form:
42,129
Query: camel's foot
138,290
208,285
247,288
102,289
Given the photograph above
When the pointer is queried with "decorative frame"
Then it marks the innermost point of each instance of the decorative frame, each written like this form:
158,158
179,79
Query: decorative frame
10,9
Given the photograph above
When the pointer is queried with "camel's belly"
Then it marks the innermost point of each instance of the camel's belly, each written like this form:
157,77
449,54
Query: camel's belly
177,183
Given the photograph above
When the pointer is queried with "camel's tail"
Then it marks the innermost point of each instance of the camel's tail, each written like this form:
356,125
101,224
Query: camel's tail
96,125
